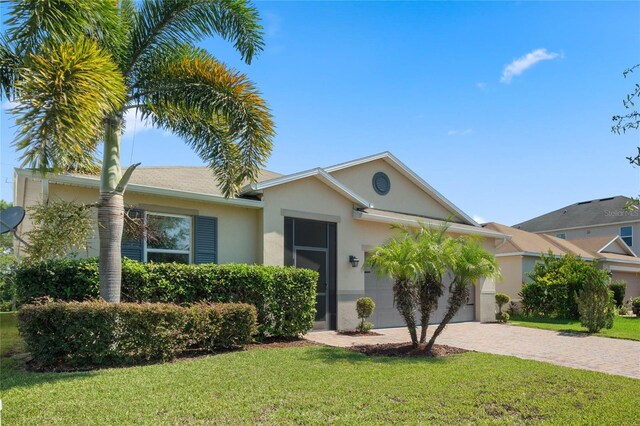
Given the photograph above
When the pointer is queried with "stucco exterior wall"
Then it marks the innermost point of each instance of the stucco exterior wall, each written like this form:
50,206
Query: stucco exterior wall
354,237
404,196
633,282
511,269
238,227
27,192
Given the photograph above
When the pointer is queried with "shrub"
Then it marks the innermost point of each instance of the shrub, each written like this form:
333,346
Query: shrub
364,308
596,304
285,297
635,305
619,289
96,333
555,285
502,316
502,299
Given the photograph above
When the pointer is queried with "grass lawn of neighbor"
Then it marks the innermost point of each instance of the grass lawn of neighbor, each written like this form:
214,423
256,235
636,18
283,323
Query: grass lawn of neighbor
623,327
317,385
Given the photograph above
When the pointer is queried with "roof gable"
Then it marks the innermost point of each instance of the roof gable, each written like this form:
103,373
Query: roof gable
411,176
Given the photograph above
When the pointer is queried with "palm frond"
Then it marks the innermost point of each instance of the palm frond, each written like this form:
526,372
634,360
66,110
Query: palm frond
167,24
191,86
10,65
64,96
31,22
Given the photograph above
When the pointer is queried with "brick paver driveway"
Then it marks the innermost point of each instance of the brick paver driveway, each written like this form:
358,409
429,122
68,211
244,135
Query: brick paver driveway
613,356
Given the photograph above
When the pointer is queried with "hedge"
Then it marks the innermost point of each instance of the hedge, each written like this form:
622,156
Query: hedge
96,333
285,297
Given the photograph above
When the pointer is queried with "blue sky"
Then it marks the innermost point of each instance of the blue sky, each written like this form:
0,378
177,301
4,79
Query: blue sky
505,108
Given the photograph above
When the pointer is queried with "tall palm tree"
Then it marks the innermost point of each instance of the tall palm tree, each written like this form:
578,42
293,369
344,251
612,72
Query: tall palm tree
399,260
75,67
469,263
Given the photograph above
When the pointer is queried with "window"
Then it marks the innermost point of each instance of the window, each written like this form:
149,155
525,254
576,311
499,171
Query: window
626,232
562,235
168,238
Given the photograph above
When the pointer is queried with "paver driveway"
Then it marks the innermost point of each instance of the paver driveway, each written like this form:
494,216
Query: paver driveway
613,356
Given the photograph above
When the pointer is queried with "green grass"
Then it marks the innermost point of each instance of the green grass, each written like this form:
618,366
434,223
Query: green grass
318,385
623,327
9,337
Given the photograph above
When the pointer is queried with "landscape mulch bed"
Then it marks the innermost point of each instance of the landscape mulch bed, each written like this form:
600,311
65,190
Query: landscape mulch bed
273,344
406,350
355,333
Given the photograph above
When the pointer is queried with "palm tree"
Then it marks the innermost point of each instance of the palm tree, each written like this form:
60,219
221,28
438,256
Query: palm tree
468,264
399,260
76,67
436,252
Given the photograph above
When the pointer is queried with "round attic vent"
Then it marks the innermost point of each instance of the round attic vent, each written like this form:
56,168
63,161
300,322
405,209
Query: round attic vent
381,183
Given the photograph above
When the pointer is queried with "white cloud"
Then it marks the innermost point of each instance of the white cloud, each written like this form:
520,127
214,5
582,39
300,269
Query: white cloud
525,62
134,123
272,24
459,132
479,218
481,85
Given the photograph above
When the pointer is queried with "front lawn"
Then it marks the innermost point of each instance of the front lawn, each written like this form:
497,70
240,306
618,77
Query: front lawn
320,385
623,327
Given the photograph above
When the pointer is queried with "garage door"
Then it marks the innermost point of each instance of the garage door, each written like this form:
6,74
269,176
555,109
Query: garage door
380,289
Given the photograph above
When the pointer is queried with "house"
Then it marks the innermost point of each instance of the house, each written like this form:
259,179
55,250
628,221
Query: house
326,219
594,218
518,255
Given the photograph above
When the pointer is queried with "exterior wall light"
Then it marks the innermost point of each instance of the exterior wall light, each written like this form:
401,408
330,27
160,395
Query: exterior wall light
354,261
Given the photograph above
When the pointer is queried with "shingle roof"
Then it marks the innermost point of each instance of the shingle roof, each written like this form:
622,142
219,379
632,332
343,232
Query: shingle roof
583,214
528,242
185,178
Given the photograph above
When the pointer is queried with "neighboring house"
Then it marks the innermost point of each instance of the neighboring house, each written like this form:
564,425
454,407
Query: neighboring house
595,218
518,255
320,219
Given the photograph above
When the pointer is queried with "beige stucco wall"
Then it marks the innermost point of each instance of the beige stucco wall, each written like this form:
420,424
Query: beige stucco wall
404,196
512,276
27,192
238,227
633,282
354,237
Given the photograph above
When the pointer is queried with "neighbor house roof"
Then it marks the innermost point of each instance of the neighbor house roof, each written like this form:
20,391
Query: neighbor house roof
529,244
604,244
601,211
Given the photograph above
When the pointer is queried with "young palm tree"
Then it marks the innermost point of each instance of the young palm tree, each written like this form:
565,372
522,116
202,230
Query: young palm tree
469,262
75,67
399,260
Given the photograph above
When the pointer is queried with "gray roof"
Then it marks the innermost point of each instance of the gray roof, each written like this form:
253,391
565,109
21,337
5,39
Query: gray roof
601,211
185,178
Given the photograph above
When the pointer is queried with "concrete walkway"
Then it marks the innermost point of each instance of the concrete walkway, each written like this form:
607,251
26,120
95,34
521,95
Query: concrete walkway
612,356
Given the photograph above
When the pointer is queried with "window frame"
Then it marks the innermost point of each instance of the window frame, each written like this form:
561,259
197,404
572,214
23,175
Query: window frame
627,236
146,250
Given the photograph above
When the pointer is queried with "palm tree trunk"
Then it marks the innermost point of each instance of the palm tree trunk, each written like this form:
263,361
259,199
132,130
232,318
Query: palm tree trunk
457,298
404,294
110,214
430,292
424,323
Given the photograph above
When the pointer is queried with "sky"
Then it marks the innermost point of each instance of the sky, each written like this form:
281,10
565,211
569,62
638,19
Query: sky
504,108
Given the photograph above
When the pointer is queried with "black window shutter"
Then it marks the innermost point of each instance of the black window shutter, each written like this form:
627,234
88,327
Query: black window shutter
132,246
205,240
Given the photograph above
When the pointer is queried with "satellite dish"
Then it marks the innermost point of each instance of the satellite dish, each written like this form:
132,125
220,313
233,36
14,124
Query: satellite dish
10,219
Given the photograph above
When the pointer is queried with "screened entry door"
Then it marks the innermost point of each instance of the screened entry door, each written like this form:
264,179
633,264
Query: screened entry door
311,245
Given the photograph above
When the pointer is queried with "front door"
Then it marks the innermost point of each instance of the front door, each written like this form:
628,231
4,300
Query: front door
311,244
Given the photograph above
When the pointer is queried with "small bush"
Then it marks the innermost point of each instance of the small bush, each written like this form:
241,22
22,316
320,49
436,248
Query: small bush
501,300
619,288
502,316
364,308
285,297
623,310
596,305
96,333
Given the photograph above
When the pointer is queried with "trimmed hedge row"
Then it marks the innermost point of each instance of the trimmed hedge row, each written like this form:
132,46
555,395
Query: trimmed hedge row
285,297
96,333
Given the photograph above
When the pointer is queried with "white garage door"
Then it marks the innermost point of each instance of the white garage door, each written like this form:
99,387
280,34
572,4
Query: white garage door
380,289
